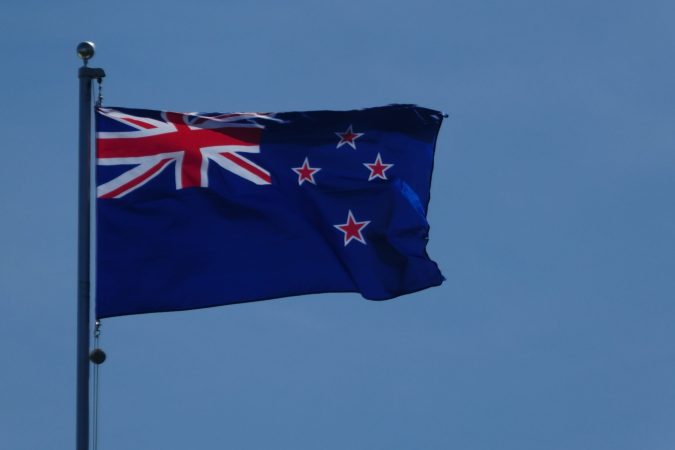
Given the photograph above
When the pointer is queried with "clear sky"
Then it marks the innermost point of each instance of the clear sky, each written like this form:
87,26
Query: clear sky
552,218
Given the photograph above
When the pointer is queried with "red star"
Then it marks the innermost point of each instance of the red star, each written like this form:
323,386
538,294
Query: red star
348,137
378,169
352,229
305,173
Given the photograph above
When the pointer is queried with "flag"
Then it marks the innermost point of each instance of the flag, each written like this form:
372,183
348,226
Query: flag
203,209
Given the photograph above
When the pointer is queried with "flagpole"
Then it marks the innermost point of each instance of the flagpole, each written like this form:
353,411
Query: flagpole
85,50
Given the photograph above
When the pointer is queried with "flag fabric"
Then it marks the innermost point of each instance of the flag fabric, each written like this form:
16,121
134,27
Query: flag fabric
197,210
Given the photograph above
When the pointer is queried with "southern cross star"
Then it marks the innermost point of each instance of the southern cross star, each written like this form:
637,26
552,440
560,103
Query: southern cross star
377,169
352,229
305,173
348,137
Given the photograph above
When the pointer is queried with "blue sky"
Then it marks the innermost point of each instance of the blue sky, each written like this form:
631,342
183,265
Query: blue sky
552,219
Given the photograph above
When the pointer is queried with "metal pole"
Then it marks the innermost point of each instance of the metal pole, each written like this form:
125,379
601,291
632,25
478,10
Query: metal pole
86,74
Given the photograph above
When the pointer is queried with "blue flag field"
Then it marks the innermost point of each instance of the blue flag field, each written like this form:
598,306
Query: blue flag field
196,210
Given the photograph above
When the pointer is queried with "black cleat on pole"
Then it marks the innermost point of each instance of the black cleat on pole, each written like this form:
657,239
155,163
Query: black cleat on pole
85,50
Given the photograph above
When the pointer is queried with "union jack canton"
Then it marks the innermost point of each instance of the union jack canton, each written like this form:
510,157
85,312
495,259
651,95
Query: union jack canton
190,141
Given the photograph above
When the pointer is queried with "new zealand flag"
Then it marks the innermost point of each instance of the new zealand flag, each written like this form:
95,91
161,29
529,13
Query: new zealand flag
197,210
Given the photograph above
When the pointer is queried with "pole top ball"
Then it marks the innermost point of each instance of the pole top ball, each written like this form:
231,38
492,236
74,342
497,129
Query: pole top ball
85,50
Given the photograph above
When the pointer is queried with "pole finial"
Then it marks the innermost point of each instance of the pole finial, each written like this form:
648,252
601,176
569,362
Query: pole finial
85,50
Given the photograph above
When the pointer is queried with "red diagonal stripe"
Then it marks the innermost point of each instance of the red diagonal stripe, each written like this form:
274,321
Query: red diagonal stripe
140,123
246,165
138,180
